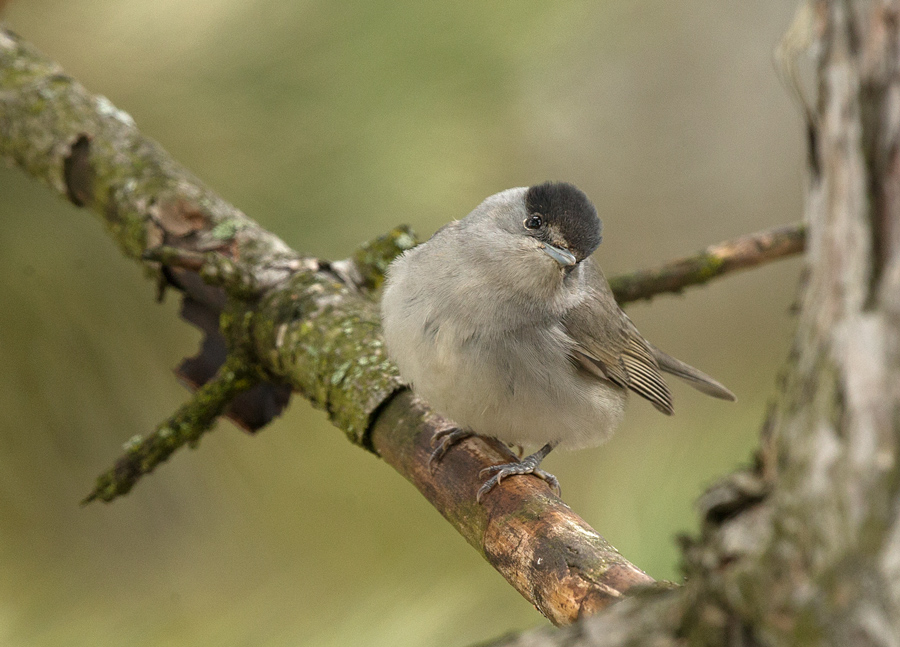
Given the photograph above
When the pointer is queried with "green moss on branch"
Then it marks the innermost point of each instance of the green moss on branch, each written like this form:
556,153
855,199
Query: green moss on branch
372,259
326,342
185,427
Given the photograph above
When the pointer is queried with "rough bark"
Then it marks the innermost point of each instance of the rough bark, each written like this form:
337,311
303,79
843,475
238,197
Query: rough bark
545,550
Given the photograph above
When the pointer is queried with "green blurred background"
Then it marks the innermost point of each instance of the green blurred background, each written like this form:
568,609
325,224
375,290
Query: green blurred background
330,123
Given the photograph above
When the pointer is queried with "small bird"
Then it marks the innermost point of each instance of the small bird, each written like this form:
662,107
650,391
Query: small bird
504,324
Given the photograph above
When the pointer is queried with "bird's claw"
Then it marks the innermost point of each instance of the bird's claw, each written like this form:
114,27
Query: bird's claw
500,472
443,440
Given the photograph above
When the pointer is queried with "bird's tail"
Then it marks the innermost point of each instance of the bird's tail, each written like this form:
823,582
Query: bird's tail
697,379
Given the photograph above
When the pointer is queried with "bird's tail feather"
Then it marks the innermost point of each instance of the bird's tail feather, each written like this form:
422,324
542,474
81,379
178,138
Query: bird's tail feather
697,379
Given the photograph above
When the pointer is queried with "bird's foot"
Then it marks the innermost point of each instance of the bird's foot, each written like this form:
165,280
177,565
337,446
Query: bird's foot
528,465
443,440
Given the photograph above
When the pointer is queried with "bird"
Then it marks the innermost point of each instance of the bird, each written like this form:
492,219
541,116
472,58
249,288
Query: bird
503,323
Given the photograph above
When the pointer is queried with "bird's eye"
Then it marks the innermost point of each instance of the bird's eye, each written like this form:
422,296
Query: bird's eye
533,222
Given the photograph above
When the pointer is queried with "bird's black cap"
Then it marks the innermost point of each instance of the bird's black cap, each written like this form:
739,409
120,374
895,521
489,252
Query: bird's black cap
569,210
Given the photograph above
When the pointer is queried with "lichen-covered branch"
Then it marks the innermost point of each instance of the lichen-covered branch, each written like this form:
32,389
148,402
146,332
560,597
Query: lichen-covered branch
185,427
91,152
296,321
716,260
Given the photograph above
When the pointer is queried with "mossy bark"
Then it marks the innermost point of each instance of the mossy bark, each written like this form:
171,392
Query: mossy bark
289,320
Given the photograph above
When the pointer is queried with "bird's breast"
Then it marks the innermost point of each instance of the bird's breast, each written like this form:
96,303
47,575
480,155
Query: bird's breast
519,387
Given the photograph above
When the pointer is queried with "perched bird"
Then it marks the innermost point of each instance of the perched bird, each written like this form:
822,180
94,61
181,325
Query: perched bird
503,323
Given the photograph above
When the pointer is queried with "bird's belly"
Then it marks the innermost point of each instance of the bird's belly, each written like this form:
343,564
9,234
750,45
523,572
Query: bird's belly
503,389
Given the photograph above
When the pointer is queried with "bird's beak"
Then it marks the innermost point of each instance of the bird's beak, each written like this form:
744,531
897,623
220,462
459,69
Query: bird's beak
564,257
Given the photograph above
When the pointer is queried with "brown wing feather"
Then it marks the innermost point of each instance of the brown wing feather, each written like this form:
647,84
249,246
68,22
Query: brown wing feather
645,378
609,346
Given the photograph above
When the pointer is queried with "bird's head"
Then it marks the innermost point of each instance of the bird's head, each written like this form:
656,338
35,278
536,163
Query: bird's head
561,218
528,241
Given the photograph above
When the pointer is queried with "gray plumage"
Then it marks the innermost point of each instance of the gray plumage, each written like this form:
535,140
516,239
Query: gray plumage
505,325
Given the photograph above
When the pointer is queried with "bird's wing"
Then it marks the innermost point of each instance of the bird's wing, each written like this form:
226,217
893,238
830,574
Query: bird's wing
608,346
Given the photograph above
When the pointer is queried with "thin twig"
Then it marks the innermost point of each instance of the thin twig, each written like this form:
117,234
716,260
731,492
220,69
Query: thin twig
717,260
184,427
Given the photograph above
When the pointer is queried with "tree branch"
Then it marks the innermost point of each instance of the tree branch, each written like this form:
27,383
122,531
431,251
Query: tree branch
715,261
185,427
303,322
545,550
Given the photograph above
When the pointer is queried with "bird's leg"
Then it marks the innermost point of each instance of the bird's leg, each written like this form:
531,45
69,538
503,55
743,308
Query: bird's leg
528,465
443,440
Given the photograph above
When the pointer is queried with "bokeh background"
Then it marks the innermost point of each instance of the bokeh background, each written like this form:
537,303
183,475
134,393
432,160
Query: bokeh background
330,123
